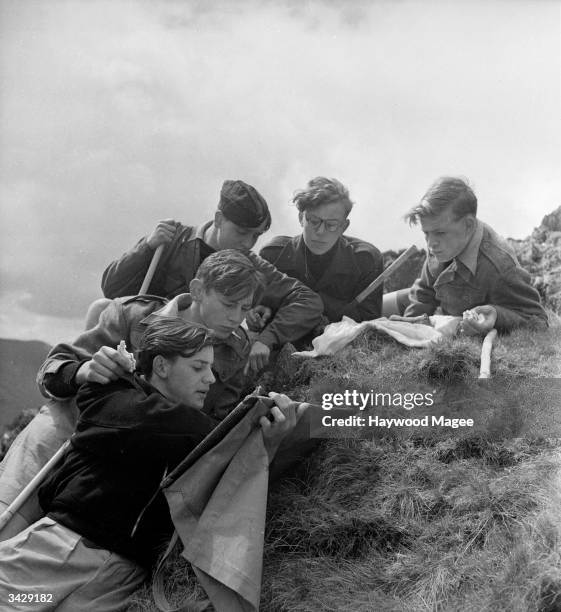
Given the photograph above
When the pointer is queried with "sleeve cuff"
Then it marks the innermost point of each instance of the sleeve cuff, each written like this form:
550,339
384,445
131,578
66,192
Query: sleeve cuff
63,384
268,338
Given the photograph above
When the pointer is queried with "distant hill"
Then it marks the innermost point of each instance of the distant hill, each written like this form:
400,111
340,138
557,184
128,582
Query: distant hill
19,362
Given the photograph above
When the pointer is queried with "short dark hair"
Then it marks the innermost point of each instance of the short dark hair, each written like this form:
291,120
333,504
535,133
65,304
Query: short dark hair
170,337
230,273
321,190
446,193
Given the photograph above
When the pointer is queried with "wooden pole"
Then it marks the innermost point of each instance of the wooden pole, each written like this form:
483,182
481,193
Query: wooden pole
485,369
151,269
386,273
33,484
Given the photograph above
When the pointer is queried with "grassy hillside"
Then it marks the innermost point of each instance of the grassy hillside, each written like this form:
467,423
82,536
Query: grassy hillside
421,518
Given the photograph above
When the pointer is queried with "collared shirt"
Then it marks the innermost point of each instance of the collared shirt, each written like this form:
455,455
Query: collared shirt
354,264
485,272
471,251
126,319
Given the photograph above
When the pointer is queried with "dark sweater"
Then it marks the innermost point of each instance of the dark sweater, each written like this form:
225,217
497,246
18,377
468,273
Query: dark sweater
127,436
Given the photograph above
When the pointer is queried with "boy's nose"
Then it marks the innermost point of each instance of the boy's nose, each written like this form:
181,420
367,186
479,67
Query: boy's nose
321,229
236,315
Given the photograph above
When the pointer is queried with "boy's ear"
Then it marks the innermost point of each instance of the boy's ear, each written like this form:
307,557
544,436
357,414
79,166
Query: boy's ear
196,289
470,222
160,366
300,217
218,218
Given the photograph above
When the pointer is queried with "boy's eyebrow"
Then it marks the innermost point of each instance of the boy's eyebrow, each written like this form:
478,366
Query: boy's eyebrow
231,300
202,362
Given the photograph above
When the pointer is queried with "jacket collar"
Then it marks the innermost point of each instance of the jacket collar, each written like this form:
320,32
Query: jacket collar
470,253
181,302
465,263
171,309
201,229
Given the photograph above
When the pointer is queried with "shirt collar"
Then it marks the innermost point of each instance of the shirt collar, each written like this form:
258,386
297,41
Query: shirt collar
181,302
471,251
172,308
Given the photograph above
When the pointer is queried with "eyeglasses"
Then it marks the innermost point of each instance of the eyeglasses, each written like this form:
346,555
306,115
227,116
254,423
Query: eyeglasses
331,225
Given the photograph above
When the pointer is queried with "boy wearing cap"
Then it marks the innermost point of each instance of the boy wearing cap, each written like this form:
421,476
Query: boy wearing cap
242,216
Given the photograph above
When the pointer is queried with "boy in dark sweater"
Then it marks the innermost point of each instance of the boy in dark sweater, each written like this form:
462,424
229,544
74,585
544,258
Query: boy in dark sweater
101,535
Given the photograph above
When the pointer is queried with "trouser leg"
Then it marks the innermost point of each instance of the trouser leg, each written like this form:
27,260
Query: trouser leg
395,302
56,569
31,449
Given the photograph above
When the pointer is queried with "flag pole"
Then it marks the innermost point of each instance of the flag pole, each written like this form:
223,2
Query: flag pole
151,269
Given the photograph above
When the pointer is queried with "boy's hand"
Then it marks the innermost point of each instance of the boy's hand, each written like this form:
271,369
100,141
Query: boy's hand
105,365
163,234
258,317
258,357
478,320
285,414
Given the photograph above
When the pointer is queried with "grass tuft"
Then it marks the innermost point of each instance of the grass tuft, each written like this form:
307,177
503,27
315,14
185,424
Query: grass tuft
450,361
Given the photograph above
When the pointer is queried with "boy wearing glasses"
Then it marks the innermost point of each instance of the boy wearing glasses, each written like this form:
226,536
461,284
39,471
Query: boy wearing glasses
335,266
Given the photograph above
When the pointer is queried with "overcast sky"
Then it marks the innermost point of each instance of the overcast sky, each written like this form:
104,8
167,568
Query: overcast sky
116,114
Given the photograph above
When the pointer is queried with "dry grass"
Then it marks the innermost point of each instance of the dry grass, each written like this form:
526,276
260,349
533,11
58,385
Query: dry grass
437,520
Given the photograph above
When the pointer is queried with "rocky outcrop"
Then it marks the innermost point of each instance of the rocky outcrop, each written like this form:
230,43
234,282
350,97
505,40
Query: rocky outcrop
540,254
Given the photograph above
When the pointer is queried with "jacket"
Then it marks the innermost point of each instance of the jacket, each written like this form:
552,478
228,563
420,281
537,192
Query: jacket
127,436
126,319
353,267
296,308
486,272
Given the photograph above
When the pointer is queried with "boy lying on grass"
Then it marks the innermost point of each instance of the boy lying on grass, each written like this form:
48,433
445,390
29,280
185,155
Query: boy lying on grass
92,550
469,266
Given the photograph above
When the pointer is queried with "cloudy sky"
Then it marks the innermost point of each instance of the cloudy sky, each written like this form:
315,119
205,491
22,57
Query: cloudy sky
116,114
